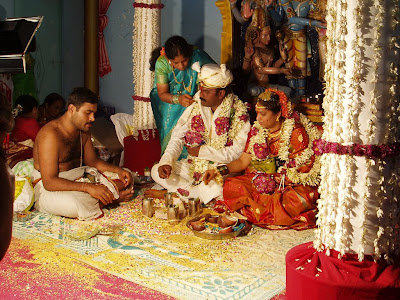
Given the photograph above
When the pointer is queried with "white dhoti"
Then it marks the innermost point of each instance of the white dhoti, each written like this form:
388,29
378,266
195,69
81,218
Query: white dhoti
72,204
179,179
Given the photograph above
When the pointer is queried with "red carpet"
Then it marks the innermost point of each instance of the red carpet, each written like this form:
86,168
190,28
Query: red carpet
28,272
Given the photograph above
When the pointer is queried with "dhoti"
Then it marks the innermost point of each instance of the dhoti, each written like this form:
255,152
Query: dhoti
71,204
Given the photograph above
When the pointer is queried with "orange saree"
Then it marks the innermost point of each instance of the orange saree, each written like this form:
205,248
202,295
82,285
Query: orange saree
265,194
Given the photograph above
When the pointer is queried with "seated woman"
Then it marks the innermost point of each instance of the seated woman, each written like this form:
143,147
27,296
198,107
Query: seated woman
52,108
26,113
175,83
279,188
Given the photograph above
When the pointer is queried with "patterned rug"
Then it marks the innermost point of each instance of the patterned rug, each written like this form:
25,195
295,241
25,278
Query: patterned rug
169,258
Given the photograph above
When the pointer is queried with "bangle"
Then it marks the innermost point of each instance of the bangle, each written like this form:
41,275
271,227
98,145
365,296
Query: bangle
246,59
223,170
174,99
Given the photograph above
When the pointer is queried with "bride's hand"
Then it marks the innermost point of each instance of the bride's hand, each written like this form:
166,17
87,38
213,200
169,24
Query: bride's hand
209,175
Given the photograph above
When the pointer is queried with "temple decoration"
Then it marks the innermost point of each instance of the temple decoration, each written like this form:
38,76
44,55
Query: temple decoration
146,37
104,62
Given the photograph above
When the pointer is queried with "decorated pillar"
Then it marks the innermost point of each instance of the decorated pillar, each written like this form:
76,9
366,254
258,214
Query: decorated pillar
146,37
142,149
355,254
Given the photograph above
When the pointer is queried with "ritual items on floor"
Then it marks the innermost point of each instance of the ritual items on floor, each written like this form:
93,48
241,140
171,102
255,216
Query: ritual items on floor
204,223
218,227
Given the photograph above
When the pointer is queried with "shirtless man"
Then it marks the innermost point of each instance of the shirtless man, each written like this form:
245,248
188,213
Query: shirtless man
62,153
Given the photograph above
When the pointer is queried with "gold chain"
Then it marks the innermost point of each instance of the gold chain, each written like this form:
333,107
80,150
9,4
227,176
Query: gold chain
187,88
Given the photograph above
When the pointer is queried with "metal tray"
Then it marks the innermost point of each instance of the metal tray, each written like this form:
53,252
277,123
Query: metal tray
219,236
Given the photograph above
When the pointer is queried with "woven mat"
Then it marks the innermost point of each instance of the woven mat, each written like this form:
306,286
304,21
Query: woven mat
169,258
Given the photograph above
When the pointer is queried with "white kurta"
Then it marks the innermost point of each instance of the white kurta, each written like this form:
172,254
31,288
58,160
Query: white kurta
180,176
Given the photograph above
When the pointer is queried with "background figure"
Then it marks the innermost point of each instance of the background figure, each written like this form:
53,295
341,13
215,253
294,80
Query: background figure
53,107
260,60
249,7
295,40
320,14
175,83
26,113
6,180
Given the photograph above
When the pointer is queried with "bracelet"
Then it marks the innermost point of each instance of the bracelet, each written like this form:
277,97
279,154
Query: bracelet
223,170
246,59
174,99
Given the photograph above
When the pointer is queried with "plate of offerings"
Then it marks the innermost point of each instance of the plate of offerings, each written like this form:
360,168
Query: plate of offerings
218,227
110,229
79,232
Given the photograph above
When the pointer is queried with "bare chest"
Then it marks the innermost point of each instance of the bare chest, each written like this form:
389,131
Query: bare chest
71,150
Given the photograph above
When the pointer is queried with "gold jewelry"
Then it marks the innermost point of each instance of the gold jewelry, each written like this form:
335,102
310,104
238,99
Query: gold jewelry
174,99
187,88
246,59
277,118
274,134
260,106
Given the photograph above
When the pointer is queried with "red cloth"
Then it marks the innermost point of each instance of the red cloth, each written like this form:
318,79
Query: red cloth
294,207
25,128
314,275
141,153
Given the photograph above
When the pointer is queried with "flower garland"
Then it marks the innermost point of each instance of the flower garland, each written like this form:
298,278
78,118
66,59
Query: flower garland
372,151
145,37
258,143
231,118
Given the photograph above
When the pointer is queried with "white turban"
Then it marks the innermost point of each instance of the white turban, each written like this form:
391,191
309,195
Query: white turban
213,75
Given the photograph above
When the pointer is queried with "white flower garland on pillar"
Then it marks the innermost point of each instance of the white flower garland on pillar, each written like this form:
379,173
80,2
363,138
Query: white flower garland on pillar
146,37
359,206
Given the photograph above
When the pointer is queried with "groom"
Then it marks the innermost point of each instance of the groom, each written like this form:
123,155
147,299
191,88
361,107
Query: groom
213,130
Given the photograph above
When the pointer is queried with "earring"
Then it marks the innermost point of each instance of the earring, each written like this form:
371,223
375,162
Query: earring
277,118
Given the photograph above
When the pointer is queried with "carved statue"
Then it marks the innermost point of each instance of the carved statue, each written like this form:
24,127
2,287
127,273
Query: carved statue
294,41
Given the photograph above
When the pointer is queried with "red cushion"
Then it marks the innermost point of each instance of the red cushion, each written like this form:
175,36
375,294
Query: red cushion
140,153
314,275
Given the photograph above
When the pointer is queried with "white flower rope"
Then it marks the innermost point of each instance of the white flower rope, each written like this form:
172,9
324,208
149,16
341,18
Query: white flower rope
356,96
392,188
371,94
146,37
328,196
372,124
